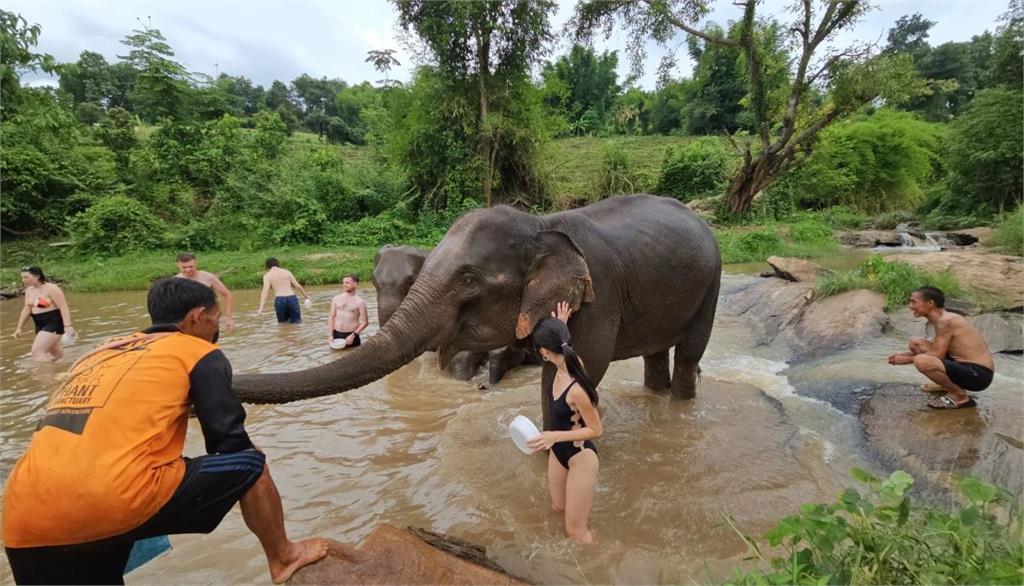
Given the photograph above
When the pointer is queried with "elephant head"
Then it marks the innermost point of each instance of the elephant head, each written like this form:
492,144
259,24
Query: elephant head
394,270
496,273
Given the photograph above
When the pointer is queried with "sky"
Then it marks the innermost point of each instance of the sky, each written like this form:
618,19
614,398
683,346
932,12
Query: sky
265,40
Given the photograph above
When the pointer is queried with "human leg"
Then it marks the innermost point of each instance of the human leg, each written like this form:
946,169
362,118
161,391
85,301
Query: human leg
933,368
556,482
97,562
579,495
44,345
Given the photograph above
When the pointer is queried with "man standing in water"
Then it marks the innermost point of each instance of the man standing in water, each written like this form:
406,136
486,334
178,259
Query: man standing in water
105,468
286,304
348,313
187,270
957,360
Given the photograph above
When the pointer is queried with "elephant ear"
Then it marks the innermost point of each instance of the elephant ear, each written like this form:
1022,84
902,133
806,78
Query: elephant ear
560,273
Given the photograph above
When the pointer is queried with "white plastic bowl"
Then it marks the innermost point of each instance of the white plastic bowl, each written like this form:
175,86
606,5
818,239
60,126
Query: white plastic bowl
523,430
309,302
69,338
338,343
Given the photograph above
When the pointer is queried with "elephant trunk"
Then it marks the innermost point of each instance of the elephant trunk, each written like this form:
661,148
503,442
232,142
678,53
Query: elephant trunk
410,332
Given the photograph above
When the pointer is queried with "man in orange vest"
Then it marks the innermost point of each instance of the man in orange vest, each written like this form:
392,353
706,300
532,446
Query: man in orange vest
105,468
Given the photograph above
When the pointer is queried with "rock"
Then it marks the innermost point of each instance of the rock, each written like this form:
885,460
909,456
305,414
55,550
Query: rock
394,556
796,269
1002,332
839,321
870,238
769,307
939,446
982,234
11,293
998,275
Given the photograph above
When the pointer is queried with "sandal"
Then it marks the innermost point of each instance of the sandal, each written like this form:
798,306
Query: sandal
945,403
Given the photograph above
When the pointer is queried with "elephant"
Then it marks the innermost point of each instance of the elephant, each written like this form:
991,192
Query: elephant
640,272
395,268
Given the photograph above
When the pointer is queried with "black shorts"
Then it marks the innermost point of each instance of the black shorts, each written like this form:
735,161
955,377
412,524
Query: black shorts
287,309
210,488
49,321
968,375
342,335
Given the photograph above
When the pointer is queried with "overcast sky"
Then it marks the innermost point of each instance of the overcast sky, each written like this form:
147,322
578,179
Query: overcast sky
265,40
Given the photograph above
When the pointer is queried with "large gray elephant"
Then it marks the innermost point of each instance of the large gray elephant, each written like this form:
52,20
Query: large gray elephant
642,273
395,269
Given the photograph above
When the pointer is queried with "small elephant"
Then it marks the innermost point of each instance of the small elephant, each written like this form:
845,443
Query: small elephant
640,272
395,269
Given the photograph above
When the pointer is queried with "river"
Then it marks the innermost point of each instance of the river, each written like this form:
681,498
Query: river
420,449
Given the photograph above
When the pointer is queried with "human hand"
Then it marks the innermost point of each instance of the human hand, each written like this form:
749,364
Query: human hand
562,312
544,441
350,339
17,332
900,358
229,322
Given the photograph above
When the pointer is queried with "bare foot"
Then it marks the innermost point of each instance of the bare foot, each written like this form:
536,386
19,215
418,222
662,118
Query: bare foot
932,388
301,553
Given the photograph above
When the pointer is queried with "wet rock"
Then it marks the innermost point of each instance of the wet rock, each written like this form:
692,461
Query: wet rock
11,293
939,446
796,269
394,556
771,306
870,238
839,321
982,235
998,275
1002,332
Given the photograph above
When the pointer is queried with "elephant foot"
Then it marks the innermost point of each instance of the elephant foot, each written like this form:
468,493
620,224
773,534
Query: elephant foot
656,373
685,379
503,360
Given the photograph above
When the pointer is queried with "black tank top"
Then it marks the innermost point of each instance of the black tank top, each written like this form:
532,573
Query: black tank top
563,416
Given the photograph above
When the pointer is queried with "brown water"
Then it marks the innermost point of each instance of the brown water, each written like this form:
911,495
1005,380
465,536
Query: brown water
419,449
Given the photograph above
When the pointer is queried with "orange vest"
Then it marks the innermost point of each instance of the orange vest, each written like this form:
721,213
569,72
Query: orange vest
107,454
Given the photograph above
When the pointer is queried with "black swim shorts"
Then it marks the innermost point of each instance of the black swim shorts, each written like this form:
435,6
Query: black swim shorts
968,375
342,335
49,321
210,488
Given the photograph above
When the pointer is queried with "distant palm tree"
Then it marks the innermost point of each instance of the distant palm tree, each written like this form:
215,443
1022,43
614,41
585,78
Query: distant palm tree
383,60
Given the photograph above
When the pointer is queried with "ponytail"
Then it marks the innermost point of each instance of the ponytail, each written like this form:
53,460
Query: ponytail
575,368
553,335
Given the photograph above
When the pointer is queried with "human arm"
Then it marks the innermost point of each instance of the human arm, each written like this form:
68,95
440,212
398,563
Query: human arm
220,414
588,412
229,300
62,304
295,283
25,312
330,319
364,321
263,294
901,358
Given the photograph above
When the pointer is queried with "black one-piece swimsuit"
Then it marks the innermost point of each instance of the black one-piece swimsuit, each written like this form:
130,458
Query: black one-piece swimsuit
565,418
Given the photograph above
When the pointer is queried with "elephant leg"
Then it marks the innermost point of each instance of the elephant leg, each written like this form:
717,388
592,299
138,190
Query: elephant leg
465,364
656,374
690,349
503,360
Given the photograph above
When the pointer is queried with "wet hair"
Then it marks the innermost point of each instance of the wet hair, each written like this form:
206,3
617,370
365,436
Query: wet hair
36,272
554,335
170,300
186,256
933,294
352,276
272,262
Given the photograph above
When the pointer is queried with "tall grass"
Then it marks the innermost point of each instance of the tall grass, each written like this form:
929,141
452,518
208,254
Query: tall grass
894,279
1009,232
805,238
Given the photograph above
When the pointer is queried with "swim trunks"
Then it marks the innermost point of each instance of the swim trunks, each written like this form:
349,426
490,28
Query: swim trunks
287,309
210,488
341,335
50,321
565,418
968,375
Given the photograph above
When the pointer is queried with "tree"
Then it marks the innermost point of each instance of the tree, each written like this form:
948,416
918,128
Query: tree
909,35
492,43
17,40
786,134
581,84
317,95
383,60
1009,47
88,79
117,133
162,86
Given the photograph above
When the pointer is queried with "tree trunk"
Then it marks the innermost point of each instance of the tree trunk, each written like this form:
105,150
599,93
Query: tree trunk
749,180
483,52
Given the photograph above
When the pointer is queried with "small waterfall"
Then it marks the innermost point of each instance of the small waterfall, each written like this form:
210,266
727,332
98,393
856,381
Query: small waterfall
929,243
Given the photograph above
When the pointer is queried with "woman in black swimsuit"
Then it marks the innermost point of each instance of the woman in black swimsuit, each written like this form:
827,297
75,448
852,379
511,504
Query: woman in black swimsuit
45,302
575,422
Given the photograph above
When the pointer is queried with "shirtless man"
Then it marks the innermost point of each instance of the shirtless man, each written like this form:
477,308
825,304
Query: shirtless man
348,313
187,270
957,360
286,304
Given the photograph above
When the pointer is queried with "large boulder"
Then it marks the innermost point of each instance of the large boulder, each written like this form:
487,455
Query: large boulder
1003,332
797,270
1000,276
870,238
982,235
394,556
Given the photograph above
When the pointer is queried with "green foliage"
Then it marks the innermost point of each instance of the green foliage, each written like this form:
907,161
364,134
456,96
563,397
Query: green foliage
1009,232
117,133
616,175
581,88
807,237
116,225
162,87
697,169
894,279
17,44
270,134
879,537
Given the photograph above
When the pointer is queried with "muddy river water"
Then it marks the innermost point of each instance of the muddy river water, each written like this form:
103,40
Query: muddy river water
420,449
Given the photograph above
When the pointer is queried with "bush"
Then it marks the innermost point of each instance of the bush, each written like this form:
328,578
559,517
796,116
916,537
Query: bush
894,279
700,168
115,225
615,176
879,538
1009,232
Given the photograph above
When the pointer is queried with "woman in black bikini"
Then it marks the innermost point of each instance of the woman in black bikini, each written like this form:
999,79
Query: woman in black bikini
575,422
46,304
